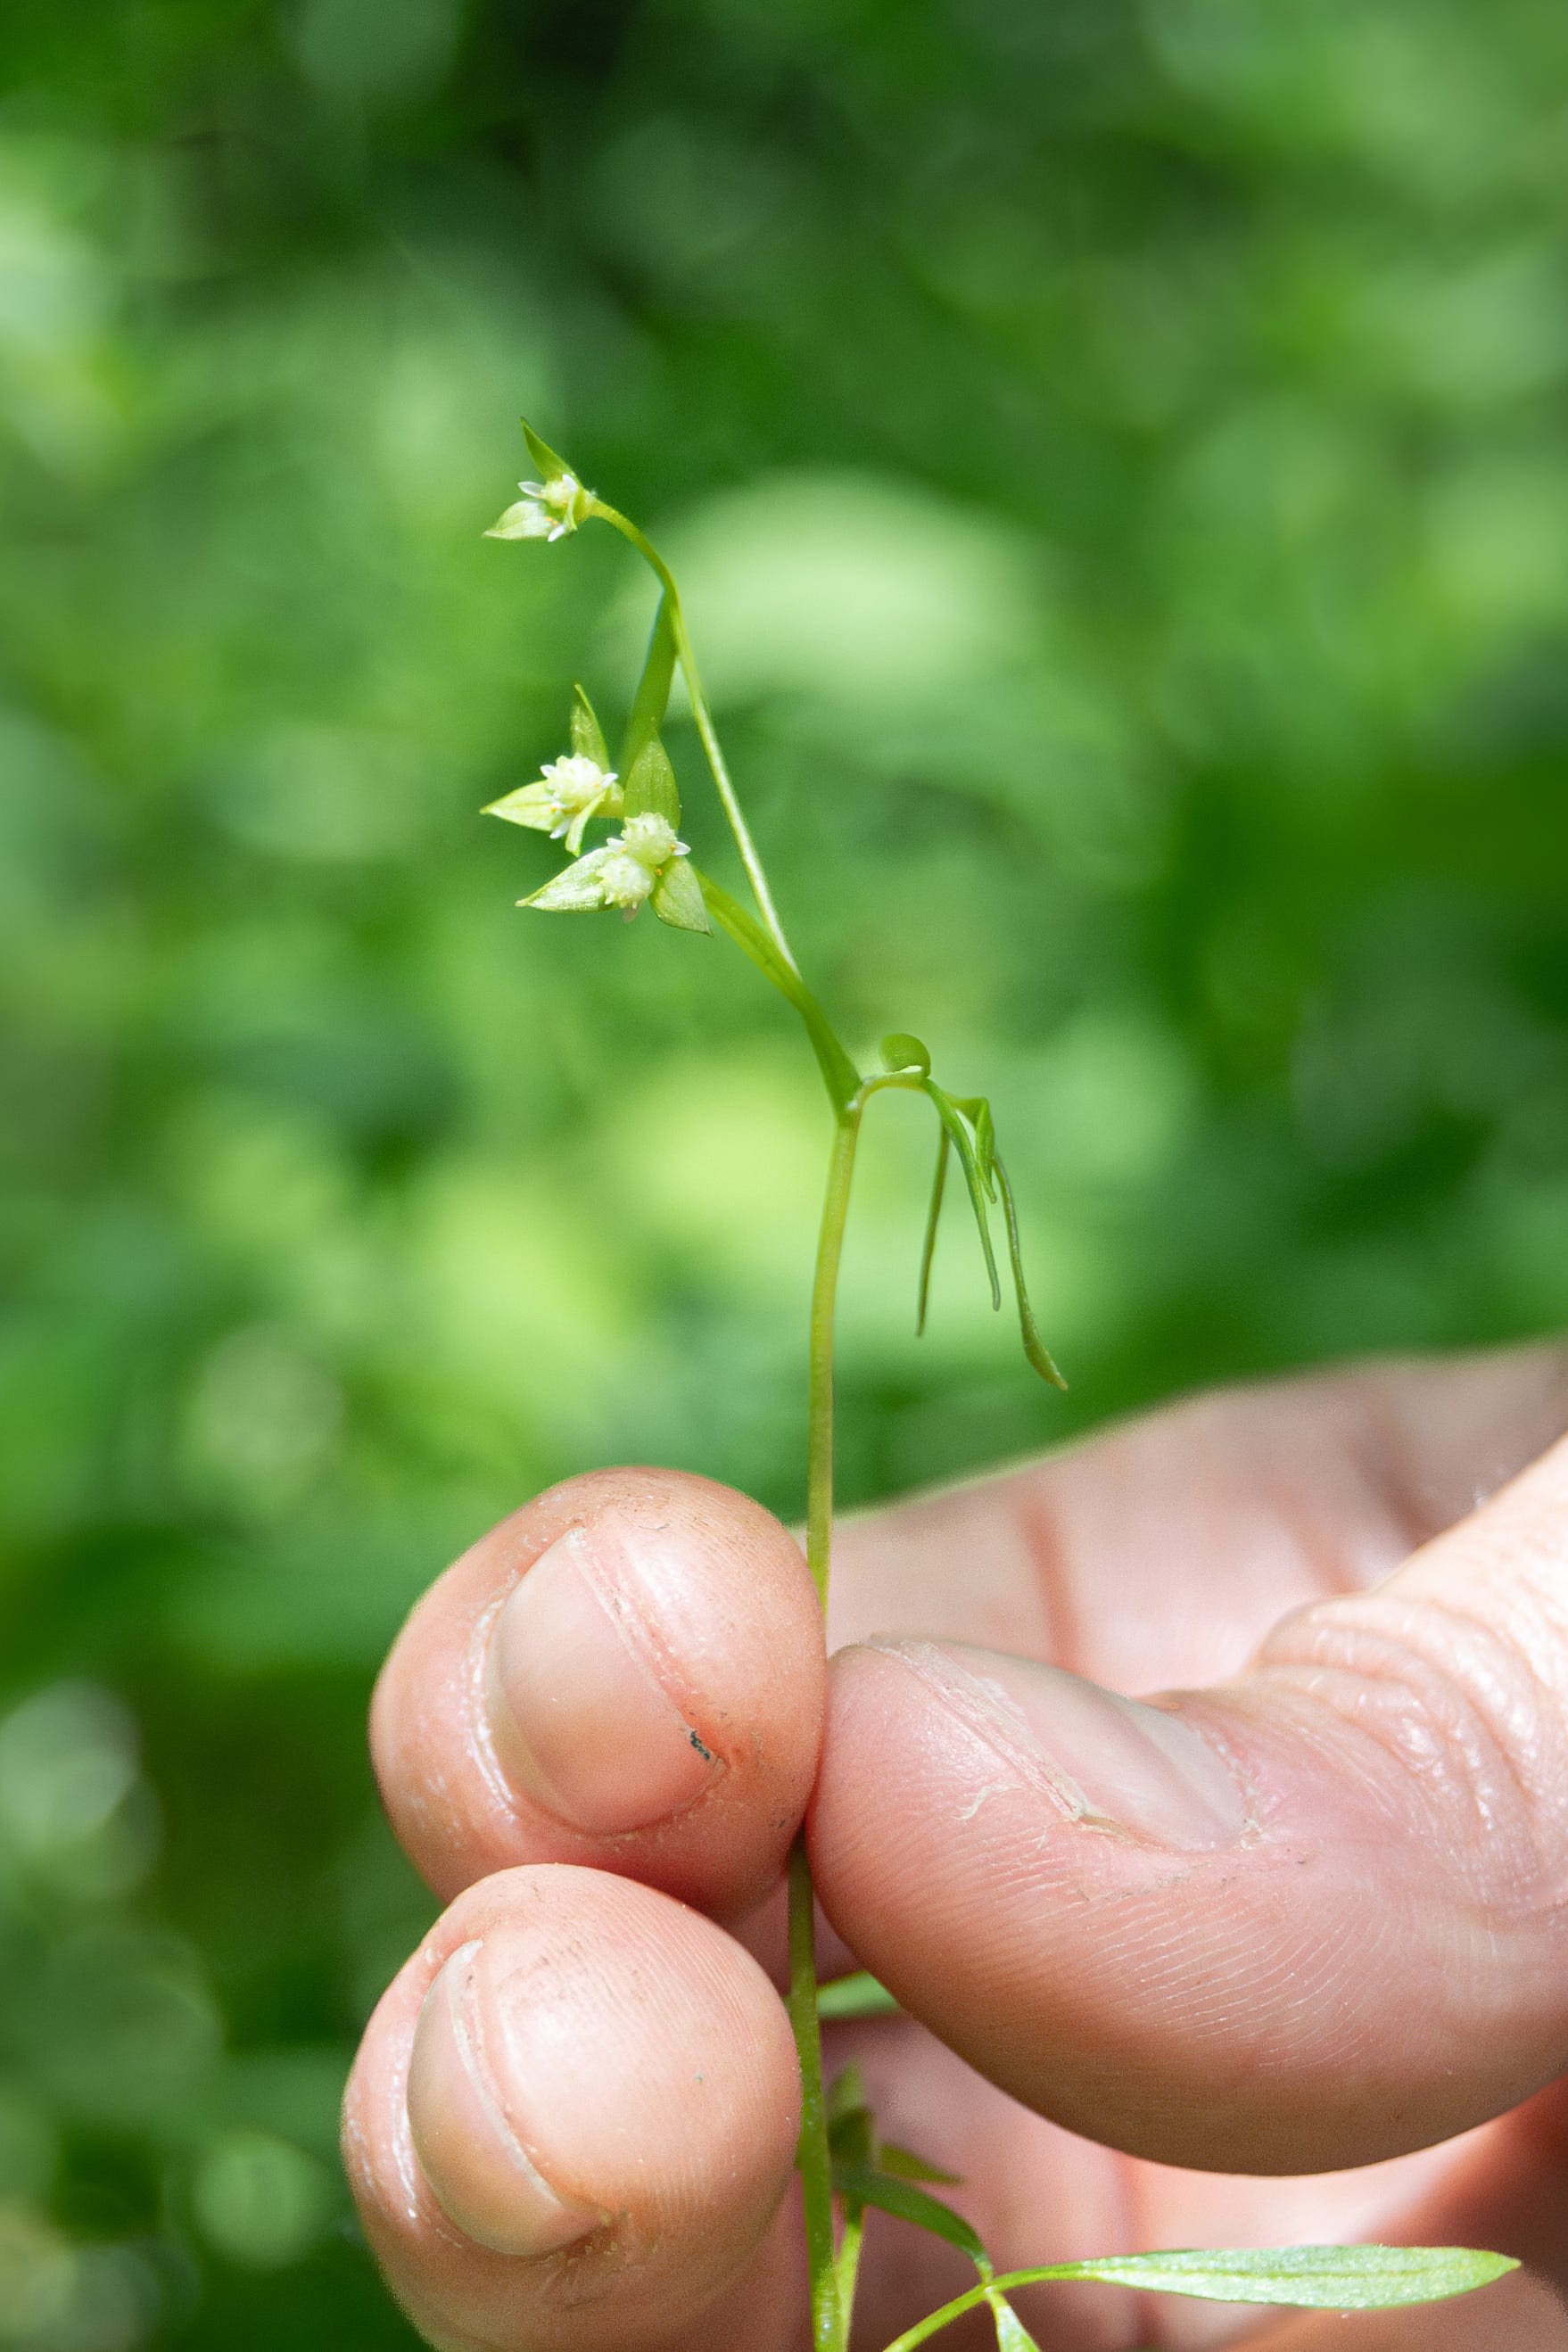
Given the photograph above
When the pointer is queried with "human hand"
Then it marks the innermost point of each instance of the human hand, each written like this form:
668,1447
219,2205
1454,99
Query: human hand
1312,1916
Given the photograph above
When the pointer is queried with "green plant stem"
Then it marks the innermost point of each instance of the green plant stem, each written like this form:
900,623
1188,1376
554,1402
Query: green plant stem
829,2319
829,2312
755,873
824,1305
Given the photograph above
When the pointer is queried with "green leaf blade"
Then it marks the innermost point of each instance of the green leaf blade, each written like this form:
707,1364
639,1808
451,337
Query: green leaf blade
861,2185
934,1218
1315,2278
951,1117
1320,2278
652,697
550,464
587,735
1035,1349
676,900
650,789
855,1996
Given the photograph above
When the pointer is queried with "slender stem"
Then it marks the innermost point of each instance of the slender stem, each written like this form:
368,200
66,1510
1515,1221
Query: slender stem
829,2310
756,872
829,2320
823,1303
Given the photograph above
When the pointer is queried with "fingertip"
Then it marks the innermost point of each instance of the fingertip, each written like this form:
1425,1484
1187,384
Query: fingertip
628,1672
574,2074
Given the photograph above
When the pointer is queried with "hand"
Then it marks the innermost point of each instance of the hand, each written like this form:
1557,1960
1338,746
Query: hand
1312,1916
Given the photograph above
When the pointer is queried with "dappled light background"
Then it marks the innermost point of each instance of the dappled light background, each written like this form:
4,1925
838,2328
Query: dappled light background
1119,458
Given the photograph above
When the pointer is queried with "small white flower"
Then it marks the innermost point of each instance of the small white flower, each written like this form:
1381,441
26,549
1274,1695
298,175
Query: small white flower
545,510
623,873
571,793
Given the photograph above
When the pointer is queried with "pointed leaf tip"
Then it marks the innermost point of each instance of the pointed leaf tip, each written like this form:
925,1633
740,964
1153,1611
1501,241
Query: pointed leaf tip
550,464
678,900
587,735
1322,2278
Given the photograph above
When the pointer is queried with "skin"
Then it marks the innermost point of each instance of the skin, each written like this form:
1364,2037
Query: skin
1287,1961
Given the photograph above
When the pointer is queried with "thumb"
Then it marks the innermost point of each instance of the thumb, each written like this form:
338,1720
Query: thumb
1312,1917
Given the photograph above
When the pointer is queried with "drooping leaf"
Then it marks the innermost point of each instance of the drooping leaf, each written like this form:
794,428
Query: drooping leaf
905,2164
1323,2278
678,900
650,789
1034,1348
587,735
902,1052
953,1121
867,2186
550,464
855,1996
842,1079
846,2093
933,1216
852,2139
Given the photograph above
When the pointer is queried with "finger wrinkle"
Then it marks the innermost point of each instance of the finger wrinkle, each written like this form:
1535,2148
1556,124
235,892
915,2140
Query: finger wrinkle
1460,1712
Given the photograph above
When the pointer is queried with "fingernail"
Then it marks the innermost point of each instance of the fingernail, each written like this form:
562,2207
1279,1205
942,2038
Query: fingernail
1110,1762
468,2116
579,1716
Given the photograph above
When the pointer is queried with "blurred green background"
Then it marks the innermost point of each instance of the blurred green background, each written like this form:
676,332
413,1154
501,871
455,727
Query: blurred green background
1119,458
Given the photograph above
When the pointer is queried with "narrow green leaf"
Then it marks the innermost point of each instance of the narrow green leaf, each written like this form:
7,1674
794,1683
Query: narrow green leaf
842,1077
953,1123
587,735
902,1052
905,2164
1034,1348
1324,2278
902,2197
676,900
934,1216
652,697
1012,2336
857,1996
650,789
550,464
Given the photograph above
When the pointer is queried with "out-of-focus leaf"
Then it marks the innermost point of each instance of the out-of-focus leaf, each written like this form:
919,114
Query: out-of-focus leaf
905,2164
855,1996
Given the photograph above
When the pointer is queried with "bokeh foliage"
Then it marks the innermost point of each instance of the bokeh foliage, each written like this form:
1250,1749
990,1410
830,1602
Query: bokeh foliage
1118,459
